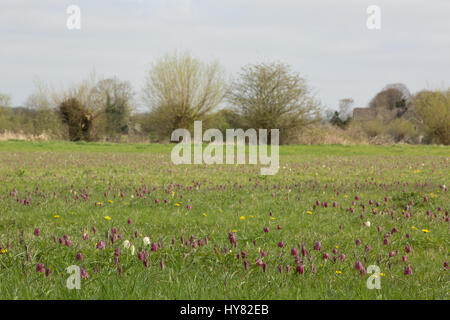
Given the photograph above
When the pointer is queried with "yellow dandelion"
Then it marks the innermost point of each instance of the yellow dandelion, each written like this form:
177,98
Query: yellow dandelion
338,272
337,247
252,217
56,216
345,196
110,201
242,218
234,230
382,274
425,231
205,214
272,218
308,212
414,228
3,251
177,204
108,218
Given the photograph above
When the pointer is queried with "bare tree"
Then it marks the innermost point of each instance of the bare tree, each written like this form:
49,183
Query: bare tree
406,94
115,100
5,100
41,98
271,96
180,89
393,96
345,108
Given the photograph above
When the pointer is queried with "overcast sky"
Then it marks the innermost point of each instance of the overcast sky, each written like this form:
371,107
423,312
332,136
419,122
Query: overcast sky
326,41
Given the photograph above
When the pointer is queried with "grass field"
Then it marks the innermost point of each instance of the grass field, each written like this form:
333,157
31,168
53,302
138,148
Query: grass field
379,205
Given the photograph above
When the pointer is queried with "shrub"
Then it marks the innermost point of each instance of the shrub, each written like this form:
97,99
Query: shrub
402,130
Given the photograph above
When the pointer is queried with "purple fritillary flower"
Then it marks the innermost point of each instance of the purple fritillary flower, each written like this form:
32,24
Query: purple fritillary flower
408,270
40,267
318,246
84,274
101,245
358,265
300,269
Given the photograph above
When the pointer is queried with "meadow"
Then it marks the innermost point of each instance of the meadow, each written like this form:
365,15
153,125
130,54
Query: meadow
140,227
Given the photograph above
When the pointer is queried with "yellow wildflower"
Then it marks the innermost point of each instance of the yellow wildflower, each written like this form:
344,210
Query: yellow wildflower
108,218
425,230
56,216
338,271
242,218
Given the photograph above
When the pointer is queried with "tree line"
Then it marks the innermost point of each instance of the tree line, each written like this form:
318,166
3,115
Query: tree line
179,89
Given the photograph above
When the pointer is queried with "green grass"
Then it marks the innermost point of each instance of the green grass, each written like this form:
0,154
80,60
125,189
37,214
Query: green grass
52,175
